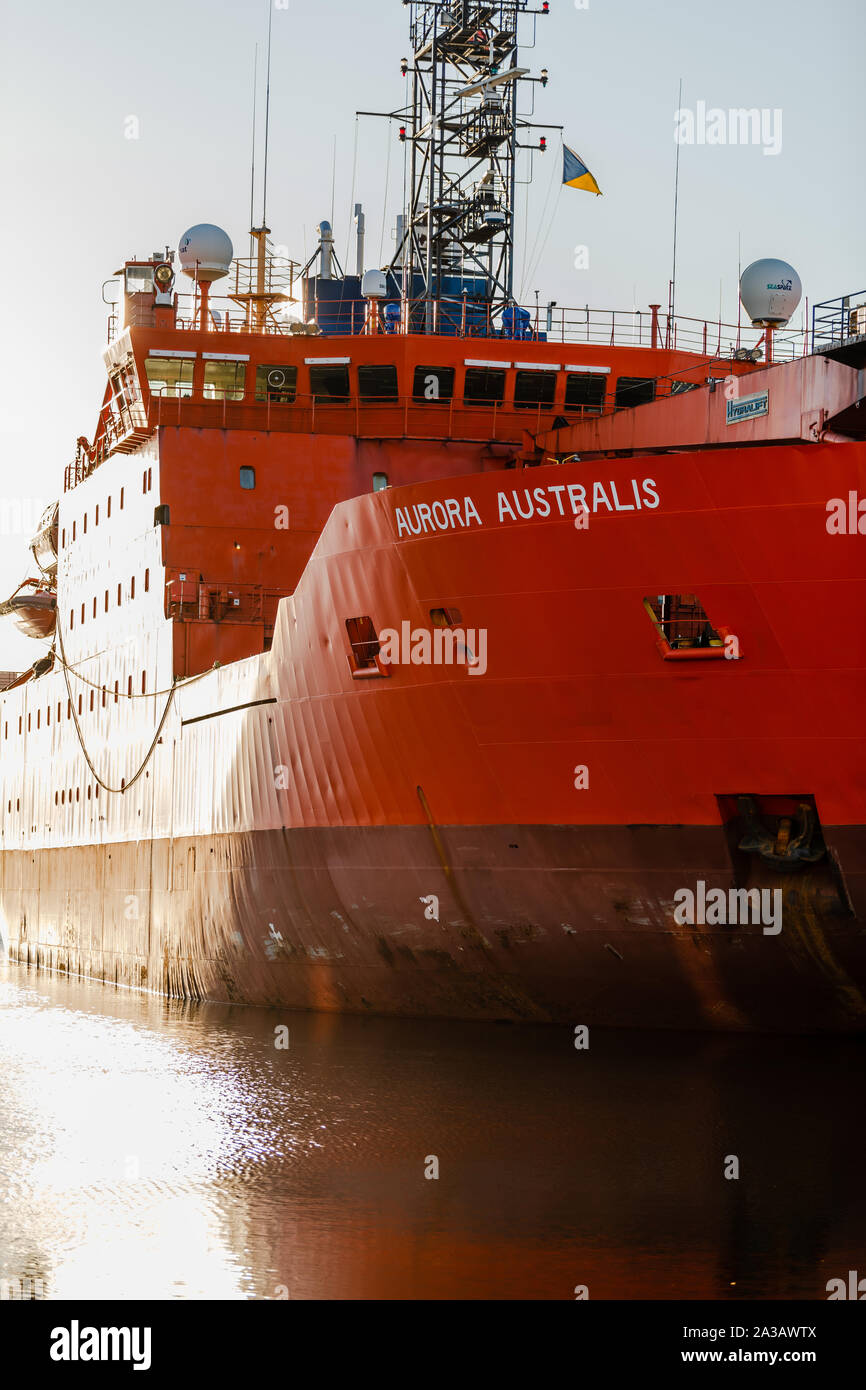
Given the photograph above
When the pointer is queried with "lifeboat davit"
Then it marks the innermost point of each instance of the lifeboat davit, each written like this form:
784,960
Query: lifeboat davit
32,608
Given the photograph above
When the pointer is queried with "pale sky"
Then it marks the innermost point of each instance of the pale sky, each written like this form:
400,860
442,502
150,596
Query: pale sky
79,197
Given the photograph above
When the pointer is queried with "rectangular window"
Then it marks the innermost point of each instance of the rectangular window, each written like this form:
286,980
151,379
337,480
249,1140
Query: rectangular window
248,478
108,507
364,643
683,626
276,384
534,389
139,279
634,390
484,386
584,391
433,384
147,581
377,383
329,383
96,517
169,376
224,381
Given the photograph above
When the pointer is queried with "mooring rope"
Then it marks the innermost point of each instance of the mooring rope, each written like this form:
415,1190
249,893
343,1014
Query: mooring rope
122,790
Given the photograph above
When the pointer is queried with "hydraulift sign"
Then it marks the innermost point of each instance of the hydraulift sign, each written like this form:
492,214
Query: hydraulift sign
747,408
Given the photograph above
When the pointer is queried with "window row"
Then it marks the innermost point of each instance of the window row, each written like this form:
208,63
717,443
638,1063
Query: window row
523,387
87,702
64,797
74,528
107,600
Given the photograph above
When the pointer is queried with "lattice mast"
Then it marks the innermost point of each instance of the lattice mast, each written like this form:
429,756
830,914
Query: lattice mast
463,127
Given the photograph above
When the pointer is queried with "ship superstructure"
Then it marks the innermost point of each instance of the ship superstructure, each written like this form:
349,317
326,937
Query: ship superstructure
425,652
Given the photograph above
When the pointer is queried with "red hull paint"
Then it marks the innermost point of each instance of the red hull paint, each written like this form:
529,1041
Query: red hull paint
313,899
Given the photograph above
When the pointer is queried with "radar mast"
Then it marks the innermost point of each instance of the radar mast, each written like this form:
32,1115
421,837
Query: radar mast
456,246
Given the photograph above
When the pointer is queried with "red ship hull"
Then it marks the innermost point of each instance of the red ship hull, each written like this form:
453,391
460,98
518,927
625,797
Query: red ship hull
431,850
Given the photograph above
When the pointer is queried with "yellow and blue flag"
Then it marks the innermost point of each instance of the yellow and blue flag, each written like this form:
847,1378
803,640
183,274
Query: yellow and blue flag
575,173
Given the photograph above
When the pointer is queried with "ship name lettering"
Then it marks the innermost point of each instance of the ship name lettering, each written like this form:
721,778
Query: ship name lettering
525,502
449,514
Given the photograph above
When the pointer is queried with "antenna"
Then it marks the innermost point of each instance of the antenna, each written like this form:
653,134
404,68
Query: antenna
267,120
253,157
673,295
333,180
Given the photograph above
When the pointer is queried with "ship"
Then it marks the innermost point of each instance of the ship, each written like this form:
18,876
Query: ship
415,651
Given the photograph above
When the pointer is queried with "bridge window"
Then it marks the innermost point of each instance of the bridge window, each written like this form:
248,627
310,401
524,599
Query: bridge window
584,391
377,383
533,389
329,382
484,386
364,643
278,384
139,279
224,381
433,384
169,376
635,390
248,478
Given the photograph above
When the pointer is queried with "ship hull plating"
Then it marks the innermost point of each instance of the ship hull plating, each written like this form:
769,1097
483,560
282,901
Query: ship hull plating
562,924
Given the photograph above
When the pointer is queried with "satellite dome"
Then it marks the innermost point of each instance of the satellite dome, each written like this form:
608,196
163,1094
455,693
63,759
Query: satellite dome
770,291
205,252
374,284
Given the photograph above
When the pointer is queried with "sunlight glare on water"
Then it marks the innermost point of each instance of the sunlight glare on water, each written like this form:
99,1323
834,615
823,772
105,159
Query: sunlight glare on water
151,1149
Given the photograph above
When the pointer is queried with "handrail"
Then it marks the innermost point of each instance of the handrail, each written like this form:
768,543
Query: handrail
835,320
465,318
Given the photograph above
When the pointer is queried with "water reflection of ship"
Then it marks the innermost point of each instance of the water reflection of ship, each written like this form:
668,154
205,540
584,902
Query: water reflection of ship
559,1168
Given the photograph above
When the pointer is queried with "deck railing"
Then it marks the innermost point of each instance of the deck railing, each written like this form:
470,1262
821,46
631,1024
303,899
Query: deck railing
836,320
545,323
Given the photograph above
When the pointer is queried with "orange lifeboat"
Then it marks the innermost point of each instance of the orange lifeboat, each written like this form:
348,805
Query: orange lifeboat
32,608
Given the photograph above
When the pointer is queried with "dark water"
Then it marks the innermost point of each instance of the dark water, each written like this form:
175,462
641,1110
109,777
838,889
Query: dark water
151,1149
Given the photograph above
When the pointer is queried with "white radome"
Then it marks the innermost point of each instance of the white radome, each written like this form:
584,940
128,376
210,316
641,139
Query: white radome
205,252
770,291
374,284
